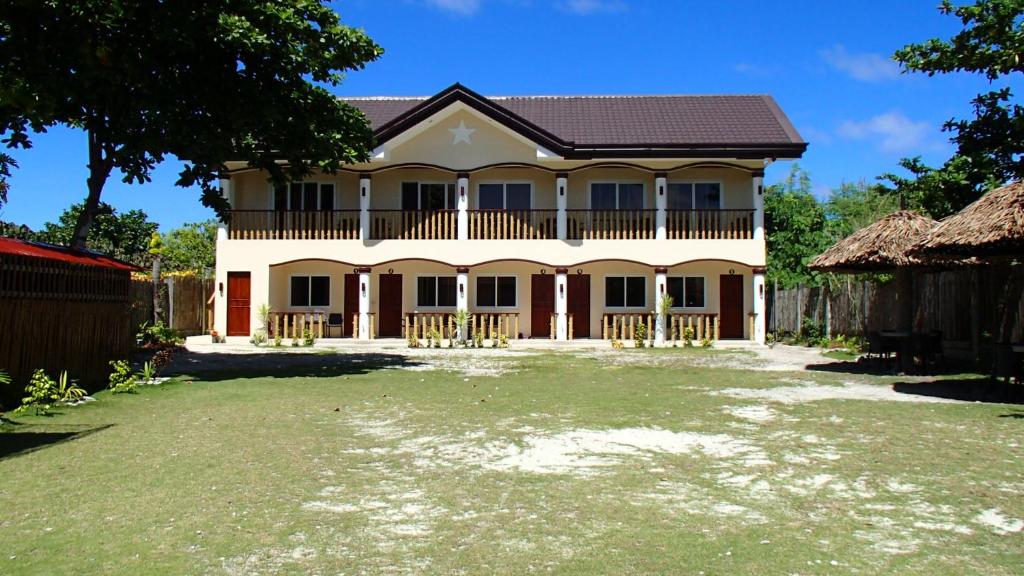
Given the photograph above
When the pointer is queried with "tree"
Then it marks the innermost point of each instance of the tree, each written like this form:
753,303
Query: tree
990,147
124,236
203,81
193,247
797,230
6,163
856,205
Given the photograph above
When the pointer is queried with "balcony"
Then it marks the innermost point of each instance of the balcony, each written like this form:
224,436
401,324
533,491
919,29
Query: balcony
710,224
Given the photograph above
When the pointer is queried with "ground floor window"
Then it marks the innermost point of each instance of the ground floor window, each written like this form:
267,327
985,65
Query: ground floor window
435,291
311,291
625,292
686,291
496,291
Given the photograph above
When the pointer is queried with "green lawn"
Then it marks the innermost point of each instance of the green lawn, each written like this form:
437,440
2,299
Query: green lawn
632,462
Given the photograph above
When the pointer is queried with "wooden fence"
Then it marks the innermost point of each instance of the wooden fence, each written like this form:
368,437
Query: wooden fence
61,316
968,306
183,301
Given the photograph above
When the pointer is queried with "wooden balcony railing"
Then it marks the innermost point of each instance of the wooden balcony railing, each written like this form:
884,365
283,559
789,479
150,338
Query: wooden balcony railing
295,324
414,224
423,324
611,224
709,224
513,224
570,322
701,325
493,324
294,225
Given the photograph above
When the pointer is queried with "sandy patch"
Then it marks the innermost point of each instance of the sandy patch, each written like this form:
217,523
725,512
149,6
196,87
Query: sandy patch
811,392
998,522
757,414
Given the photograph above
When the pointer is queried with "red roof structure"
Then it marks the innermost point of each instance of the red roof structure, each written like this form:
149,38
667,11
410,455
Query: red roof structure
62,254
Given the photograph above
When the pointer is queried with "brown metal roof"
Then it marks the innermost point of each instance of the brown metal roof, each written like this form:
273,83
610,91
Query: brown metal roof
622,121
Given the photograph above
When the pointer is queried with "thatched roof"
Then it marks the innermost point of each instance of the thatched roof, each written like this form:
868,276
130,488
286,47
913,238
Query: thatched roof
991,226
878,247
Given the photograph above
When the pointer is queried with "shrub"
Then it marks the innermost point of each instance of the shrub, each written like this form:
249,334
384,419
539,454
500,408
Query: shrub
707,342
502,341
158,335
295,342
148,373
478,339
41,394
616,344
122,381
308,339
413,341
435,337
259,337
277,340
810,330
640,335
688,337
161,359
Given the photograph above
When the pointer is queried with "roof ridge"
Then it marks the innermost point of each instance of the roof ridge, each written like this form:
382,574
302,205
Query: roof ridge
562,96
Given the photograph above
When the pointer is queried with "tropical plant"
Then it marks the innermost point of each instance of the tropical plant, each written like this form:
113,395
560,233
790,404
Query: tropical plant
41,394
277,340
435,337
666,303
67,391
640,335
148,373
688,337
707,342
462,318
259,337
308,338
161,359
121,380
158,334
502,341
412,340
271,62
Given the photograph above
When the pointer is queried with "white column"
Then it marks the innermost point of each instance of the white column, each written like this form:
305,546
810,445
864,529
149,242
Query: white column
760,318
462,296
660,290
561,200
364,210
758,194
561,304
364,303
661,203
462,199
228,193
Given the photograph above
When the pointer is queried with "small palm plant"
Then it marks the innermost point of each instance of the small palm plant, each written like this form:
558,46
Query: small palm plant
461,320
67,390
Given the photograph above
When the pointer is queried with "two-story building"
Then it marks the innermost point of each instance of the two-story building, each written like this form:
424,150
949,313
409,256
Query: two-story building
551,217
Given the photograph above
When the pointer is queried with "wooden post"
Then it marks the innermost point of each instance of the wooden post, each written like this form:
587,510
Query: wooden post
516,334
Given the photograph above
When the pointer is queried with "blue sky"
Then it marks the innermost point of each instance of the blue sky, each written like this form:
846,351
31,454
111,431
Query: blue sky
827,63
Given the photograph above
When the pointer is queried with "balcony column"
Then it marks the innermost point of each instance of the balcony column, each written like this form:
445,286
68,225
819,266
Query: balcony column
364,303
661,290
661,203
462,296
561,201
561,304
227,192
758,195
364,212
760,318
462,199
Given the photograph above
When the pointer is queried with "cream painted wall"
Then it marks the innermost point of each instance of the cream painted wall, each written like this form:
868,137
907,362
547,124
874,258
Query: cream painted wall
488,144
280,285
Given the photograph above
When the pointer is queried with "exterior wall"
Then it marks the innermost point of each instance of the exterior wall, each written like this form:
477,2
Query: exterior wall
488,143
280,285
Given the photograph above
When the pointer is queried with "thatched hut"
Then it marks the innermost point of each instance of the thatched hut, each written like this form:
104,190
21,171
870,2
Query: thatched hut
991,227
882,247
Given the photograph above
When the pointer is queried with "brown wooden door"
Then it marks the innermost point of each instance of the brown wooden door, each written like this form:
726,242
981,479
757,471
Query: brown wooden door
579,304
239,284
389,306
350,303
730,289
542,305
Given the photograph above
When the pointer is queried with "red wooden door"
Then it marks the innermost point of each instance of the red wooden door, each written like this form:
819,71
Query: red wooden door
542,305
350,305
239,284
579,304
389,306
730,303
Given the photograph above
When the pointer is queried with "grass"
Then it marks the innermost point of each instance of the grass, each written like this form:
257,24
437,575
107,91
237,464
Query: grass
364,467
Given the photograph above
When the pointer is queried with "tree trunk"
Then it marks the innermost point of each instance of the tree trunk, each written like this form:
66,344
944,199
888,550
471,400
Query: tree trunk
99,171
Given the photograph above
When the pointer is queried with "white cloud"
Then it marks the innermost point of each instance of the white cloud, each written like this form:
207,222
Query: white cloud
866,67
815,136
460,7
897,132
592,6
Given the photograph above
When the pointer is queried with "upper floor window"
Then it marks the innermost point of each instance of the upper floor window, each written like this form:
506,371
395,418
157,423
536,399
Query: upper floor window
625,292
694,195
310,291
505,196
304,196
435,291
496,291
686,291
428,196
616,196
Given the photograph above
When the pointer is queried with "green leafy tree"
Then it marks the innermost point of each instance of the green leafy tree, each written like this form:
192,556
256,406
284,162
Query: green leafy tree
797,230
990,147
193,247
203,81
856,205
122,235
19,231
6,163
